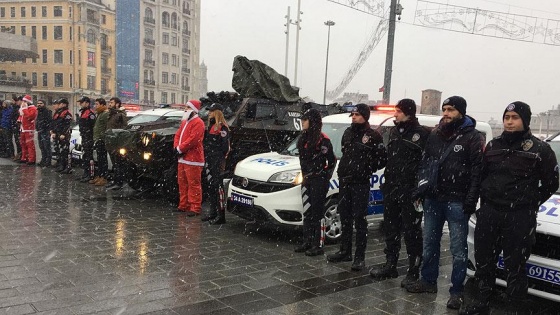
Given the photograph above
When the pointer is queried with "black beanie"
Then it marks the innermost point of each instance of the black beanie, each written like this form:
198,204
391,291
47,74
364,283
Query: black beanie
458,102
523,110
407,106
363,110
313,116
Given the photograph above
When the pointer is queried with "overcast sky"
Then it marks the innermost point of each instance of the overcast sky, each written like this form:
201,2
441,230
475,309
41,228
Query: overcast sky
488,72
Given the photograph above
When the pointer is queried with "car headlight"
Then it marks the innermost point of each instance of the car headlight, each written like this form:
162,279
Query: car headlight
292,177
122,151
147,156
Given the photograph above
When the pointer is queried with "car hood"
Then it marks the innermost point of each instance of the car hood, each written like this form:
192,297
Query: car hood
261,166
549,212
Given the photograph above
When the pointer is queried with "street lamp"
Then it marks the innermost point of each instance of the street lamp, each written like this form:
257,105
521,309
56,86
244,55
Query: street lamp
328,23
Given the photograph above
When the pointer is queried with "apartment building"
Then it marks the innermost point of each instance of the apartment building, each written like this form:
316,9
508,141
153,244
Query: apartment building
75,42
159,47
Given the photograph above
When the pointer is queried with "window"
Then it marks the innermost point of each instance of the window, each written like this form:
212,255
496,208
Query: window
71,35
174,20
165,58
58,32
103,19
164,77
91,36
165,39
44,56
165,19
91,82
43,11
174,39
71,57
104,41
92,16
146,95
71,80
58,56
149,14
13,12
57,10
45,79
172,98
24,74
164,97
23,31
173,78
2,12
22,11
33,11
174,60
8,29
44,35
152,96
34,32
79,57
34,78
58,80
91,59
148,54
104,86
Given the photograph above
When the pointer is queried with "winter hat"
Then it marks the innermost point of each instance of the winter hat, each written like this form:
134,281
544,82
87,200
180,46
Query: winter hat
523,110
84,99
63,101
313,116
215,106
27,99
363,110
407,106
458,102
194,105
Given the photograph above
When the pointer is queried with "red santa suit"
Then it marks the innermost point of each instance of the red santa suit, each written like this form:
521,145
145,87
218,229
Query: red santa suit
27,116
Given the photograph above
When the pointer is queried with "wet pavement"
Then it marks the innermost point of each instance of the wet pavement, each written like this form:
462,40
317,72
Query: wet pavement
72,248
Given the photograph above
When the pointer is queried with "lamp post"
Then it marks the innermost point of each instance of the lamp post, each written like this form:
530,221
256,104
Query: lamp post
328,23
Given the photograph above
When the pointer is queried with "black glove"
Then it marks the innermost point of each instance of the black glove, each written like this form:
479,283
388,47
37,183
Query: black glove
177,154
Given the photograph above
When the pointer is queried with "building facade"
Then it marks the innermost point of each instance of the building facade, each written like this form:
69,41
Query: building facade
431,102
75,42
159,47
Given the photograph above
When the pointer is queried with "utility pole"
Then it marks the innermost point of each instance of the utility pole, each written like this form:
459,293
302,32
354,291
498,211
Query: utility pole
298,28
394,10
287,32
328,23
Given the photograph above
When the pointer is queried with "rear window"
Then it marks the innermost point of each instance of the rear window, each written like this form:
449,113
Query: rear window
143,118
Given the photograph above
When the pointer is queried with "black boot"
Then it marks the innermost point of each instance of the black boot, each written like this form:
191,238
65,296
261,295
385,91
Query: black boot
302,248
341,255
220,218
314,251
386,271
474,308
413,272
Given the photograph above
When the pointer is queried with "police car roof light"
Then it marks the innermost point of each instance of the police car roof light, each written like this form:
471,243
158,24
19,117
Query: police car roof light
383,108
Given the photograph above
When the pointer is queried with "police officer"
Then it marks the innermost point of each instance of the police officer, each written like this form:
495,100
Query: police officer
363,154
62,127
317,162
43,127
216,148
86,121
406,143
520,172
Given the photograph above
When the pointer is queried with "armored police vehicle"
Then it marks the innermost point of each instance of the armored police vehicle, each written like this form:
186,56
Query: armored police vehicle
543,266
267,187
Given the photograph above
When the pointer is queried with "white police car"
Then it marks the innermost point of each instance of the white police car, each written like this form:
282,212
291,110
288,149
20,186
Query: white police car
266,187
543,266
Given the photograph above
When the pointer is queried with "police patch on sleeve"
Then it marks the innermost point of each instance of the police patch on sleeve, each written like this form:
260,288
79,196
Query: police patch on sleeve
415,137
92,116
527,144
457,148
365,139
223,133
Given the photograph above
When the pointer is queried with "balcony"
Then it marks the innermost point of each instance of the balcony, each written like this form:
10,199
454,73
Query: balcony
149,63
107,50
149,20
14,81
106,71
185,70
187,11
149,41
149,82
186,51
186,32
186,88
93,20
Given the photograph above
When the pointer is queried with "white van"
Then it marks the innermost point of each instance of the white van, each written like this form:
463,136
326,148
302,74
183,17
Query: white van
266,187
543,266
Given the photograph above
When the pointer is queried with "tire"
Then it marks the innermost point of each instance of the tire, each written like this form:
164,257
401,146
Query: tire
333,224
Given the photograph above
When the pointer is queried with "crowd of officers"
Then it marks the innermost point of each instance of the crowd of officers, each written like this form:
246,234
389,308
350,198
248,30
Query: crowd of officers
512,175
20,119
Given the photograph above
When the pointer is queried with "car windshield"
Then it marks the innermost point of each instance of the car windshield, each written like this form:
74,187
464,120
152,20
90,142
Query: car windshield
555,145
333,131
143,118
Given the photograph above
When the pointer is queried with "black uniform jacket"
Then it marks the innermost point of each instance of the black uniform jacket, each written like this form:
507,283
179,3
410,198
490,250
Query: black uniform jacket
318,159
520,175
86,122
44,118
363,153
404,153
459,174
216,141
62,122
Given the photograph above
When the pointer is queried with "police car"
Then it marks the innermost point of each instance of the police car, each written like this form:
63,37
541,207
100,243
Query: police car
543,266
266,187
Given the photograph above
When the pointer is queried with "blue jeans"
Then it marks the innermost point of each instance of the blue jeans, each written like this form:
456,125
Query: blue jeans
435,214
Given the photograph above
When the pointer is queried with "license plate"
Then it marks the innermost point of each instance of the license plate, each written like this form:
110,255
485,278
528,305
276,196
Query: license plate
240,199
538,272
76,156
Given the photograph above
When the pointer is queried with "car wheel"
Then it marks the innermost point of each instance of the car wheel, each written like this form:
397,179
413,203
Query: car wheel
333,224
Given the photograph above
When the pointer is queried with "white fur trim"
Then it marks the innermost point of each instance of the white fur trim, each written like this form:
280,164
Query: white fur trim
191,106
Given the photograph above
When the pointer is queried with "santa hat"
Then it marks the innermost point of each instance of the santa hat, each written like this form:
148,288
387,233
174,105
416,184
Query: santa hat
27,99
194,105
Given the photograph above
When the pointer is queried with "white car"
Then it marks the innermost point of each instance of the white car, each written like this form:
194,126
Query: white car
266,187
543,266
